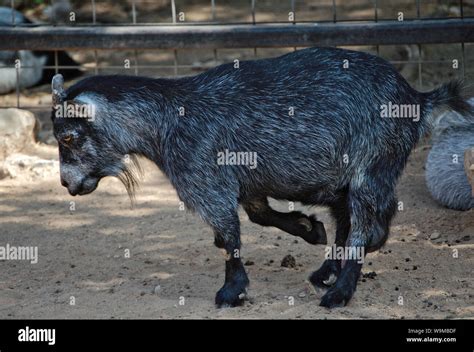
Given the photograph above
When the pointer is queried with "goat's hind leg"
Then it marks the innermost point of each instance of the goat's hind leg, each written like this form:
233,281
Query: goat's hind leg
370,214
329,271
295,223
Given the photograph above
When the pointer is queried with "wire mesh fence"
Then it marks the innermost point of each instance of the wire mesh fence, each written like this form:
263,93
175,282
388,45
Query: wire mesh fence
429,41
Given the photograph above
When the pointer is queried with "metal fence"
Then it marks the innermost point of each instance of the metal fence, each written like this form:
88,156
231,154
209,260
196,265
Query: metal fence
296,24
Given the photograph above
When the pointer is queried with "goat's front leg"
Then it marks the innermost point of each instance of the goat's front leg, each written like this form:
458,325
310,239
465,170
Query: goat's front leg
218,207
227,237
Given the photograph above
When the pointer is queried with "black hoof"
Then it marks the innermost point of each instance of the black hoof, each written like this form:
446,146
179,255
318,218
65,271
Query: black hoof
336,297
314,232
326,275
231,295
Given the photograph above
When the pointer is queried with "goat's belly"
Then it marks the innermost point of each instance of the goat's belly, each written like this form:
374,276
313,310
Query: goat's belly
314,195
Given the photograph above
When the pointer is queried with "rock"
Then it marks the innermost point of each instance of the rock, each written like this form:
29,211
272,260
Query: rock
369,275
435,235
17,129
288,261
17,164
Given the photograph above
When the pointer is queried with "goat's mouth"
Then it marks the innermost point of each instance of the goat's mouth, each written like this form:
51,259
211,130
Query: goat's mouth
85,187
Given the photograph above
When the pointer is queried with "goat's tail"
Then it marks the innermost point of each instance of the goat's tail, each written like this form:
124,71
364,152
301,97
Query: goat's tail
447,97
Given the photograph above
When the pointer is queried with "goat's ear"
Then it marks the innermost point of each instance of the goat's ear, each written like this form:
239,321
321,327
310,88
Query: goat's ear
57,87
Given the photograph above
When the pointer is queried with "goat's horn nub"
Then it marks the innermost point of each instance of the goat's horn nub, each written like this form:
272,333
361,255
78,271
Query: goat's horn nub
57,86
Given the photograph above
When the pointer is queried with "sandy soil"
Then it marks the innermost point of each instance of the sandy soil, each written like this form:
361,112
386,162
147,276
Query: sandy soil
83,254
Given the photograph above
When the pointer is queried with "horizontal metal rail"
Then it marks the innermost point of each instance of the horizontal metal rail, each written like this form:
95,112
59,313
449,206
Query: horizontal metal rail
237,36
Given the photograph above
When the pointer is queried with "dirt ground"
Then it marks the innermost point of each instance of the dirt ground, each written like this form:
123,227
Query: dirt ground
173,269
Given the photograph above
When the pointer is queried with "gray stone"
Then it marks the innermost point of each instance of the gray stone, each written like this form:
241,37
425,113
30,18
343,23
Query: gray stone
17,164
435,235
16,131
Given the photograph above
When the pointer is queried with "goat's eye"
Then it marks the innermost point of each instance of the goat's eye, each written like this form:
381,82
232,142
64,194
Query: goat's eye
67,139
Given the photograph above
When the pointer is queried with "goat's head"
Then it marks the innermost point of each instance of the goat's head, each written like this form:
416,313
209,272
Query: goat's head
87,150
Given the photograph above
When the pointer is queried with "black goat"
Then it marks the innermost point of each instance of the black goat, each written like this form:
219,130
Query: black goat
327,127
